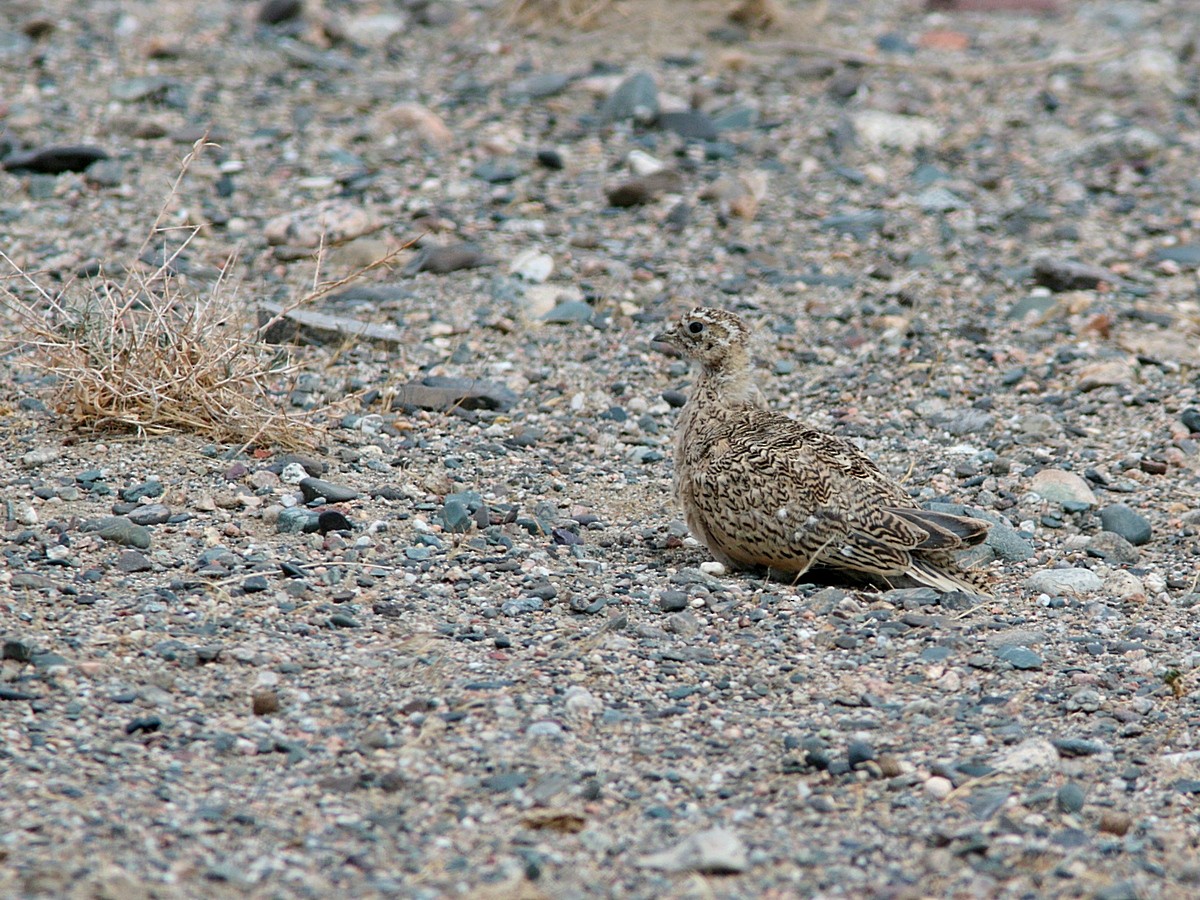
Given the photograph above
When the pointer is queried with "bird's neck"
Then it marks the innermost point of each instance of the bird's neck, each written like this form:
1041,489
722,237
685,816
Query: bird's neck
729,385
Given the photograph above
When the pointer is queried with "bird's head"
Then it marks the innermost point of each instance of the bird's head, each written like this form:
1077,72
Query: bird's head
714,338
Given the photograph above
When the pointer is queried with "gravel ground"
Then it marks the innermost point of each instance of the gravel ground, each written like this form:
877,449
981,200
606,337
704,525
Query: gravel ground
968,241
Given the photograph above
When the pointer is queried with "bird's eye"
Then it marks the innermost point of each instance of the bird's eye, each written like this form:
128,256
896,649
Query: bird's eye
695,327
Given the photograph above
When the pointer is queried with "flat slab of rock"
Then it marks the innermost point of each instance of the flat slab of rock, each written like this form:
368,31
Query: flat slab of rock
303,326
441,393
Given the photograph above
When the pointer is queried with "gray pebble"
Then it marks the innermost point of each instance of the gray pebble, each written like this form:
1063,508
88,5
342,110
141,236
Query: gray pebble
1124,521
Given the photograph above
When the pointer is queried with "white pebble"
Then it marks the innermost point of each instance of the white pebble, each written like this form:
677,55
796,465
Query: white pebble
938,787
713,568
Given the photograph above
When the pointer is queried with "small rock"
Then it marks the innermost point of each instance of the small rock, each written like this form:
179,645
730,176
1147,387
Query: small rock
1070,798
859,752
938,199
150,514
1113,548
456,518
296,520
635,98
1103,374
442,393
672,601
1184,254
331,520
273,12
1020,657
570,311
426,125
1115,822
1068,275
131,561
1122,520
715,851
938,787
264,702
1189,417
1058,582
690,125
119,530
451,258
326,224
879,130
55,160
645,189
1062,487
39,456
1029,755
532,266
314,488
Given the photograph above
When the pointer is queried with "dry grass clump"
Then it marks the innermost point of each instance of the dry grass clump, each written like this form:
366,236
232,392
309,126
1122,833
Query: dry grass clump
145,355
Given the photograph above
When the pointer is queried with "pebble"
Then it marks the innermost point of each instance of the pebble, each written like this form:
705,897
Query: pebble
636,98
328,223
1070,798
1123,521
442,393
1113,548
877,129
1020,657
41,456
1062,487
645,189
715,851
442,260
1068,275
532,266
938,787
1060,582
55,160
120,530
315,488
296,520
130,561
1032,754
150,514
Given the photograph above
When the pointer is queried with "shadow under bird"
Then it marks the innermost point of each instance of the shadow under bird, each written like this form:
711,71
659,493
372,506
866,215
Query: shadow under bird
760,489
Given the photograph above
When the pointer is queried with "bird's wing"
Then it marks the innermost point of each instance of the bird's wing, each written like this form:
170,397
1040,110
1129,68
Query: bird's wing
776,493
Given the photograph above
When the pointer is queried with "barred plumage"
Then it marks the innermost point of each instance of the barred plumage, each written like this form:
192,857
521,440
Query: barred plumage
761,489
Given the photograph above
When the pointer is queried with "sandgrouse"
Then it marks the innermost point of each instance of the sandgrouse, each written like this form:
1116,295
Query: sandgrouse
761,489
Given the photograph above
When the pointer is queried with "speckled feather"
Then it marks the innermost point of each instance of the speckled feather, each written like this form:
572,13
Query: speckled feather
761,489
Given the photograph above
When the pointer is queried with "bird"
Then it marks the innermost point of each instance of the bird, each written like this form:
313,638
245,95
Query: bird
761,489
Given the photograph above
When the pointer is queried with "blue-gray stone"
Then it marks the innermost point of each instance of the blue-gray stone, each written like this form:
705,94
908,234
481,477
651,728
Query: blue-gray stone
137,492
296,520
1033,304
571,311
456,518
1184,254
939,199
520,605
1120,519
120,530
636,98
859,225
1020,657
1070,797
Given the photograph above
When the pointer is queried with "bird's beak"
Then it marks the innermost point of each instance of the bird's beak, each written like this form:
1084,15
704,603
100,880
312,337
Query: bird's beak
664,337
